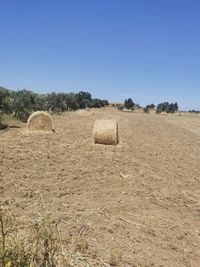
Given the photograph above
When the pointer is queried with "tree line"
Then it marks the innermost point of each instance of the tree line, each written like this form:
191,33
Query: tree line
23,102
162,107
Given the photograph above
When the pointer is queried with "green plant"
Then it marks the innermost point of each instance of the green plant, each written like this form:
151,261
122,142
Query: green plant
83,99
128,103
151,106
23,105
146,110
6,100
23,102
38,247
121,107
40,102
167,107
158,111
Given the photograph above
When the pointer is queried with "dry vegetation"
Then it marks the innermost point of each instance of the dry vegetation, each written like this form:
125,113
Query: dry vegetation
81,204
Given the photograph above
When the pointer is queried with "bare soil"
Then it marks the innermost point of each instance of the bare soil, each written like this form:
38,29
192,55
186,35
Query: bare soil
135,204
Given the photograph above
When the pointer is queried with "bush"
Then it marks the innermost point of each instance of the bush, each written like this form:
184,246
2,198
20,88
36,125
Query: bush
121,107
167,107
97,103
23,105
41,102
6,100
72,103
56,102
128,103
83,99
158,111
146,110
194,111
152,106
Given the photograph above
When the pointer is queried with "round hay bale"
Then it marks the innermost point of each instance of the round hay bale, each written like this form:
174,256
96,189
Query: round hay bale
106,132
40,121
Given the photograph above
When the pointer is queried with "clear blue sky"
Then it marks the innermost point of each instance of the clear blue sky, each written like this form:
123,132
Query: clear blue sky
145,49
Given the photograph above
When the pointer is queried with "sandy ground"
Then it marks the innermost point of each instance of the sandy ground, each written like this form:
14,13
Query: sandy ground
137,204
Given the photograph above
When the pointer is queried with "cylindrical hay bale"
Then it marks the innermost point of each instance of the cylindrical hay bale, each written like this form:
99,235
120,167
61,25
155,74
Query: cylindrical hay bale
106,132
40,121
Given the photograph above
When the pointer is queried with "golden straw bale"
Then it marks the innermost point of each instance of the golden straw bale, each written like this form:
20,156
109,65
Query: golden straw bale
106,132
40,120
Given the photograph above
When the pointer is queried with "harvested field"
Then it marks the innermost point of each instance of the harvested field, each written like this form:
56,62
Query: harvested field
135,204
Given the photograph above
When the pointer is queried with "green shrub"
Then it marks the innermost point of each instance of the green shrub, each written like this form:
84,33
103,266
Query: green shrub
158,111
151,106
23,105
128,103
72,103
6,100
97,103
167,107
40,102
121,107
146,110
83,99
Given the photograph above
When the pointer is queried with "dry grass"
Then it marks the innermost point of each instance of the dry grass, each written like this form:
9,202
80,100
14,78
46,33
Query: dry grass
106,132
40,120
30,245
40,244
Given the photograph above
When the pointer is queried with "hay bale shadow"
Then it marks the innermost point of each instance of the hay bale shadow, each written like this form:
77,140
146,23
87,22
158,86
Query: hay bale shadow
5,126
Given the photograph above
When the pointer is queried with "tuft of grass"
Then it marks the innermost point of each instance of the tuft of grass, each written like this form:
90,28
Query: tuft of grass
31,247
40,244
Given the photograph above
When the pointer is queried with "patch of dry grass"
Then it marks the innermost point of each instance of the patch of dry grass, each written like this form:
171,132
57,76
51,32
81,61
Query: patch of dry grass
40,244
27,245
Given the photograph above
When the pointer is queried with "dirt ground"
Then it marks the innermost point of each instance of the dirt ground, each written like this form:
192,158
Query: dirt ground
137,204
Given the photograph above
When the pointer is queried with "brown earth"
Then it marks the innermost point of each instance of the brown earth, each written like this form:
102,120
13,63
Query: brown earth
137,204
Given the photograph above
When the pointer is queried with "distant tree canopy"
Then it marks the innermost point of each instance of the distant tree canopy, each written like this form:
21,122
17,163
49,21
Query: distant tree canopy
128,103
167,107
152,106
23,105
23,102
148,107
194,111
84,99
6,100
